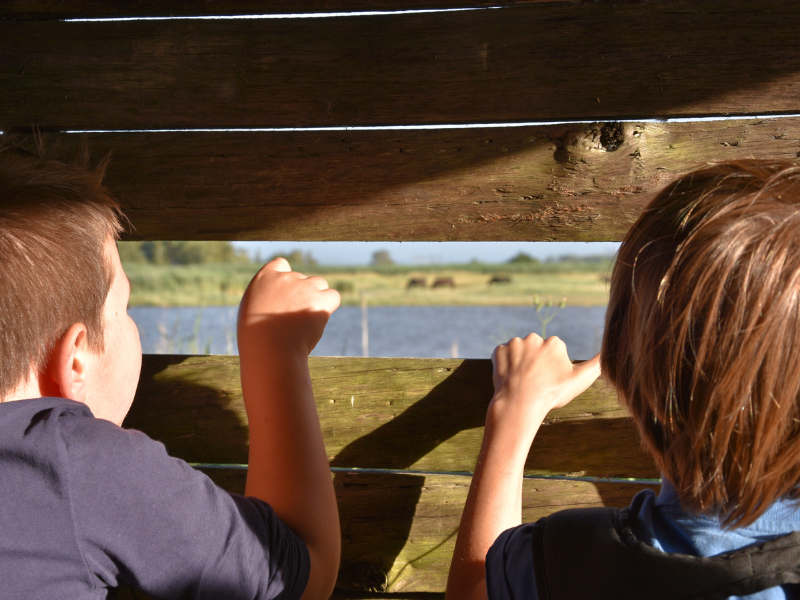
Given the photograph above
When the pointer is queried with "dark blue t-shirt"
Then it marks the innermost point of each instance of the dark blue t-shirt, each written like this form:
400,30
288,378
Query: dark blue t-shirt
86,506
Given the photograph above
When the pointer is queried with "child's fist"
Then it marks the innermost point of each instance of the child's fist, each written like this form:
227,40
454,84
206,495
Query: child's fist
532,376
285,306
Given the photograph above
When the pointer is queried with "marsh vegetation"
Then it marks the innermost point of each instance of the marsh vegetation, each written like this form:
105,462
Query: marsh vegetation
211,281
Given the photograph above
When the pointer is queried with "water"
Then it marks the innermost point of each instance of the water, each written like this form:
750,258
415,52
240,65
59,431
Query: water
410,331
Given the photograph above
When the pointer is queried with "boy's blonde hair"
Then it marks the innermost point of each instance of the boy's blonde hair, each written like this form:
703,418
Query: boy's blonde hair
702,338
55,219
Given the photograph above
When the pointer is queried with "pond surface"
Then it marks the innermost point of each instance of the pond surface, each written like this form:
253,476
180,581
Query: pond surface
410,331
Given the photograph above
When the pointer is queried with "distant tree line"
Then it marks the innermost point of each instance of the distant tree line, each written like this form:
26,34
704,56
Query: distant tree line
296,258
198,253
523,259
181,253
587,258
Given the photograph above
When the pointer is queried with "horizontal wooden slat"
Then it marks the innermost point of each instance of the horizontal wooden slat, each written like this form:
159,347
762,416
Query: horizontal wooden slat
565,182
399,530
560,60
420,414
93,9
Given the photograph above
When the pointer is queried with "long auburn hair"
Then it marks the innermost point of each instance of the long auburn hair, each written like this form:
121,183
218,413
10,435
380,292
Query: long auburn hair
702,337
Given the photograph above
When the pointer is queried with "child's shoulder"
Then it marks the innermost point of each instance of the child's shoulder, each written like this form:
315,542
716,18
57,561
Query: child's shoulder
58,433
29,419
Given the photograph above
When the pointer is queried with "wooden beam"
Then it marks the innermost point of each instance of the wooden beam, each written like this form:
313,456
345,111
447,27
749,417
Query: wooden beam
556,60
585,182
94,9
399,530
379,413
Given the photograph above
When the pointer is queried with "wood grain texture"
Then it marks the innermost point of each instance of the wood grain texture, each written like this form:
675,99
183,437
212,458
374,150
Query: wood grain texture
418,414
93,9
399,530
585,182
559,60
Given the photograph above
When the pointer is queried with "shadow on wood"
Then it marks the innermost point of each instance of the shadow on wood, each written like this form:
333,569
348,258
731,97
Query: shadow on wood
370,542
559,182
542,61
397,444
567,182
200,413
445,411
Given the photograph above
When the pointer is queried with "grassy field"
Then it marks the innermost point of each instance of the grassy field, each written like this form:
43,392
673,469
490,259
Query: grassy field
582,284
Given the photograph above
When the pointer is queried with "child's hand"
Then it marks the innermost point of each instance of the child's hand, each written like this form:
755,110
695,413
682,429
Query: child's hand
532,376
285,306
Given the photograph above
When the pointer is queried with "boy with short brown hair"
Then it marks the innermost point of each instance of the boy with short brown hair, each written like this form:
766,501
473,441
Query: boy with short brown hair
86,506
701,339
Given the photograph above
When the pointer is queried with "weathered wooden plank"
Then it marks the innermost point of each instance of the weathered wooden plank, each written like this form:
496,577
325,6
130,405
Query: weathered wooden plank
399,530
94,9
583,182
419,414
539,61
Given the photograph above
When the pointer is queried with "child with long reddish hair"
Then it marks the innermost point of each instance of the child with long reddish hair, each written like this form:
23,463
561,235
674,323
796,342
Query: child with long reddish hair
701,344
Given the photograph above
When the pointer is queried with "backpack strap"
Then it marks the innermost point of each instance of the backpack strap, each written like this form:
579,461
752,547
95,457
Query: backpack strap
539,570
593,553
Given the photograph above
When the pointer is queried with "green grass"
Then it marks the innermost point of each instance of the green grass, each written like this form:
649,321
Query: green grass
188,285
583,284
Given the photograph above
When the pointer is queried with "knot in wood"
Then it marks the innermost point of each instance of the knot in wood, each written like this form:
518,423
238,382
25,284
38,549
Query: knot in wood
611,136
605,137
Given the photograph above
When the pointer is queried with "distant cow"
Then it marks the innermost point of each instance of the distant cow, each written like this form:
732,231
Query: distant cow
499,279
444,282
416,282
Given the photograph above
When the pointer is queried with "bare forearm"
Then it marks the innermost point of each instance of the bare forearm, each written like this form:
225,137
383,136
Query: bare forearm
281,318
288,467
494,504
531,376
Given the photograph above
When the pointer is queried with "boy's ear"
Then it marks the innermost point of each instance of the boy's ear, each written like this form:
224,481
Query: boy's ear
67,369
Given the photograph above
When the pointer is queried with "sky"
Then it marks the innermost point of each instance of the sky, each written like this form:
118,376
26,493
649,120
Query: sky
427,253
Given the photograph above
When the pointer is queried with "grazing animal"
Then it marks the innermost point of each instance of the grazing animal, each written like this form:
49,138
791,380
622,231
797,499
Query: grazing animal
500,279
444,282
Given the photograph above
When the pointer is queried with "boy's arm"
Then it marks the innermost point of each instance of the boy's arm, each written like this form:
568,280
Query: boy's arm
531,377
281,319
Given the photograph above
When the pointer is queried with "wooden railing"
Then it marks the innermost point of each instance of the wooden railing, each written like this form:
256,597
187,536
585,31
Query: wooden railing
550,126
402,437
